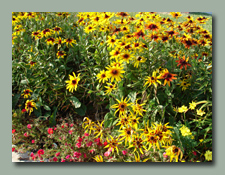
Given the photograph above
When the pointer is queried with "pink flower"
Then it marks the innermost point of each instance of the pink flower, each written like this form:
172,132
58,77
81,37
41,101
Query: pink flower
55,159
31,154
124,152
25,134
68,156
55,129
164,155
70,131
107,153
50,130
40,152
67,124
57,154
89,144
71,125
76,154
86,134
78,145
29,126
32,141
91,151
63,160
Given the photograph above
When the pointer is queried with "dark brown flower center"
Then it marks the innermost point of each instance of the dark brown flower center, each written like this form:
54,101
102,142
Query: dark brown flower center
56,28
175,150
27,92
60,53
126,56
139,59
114,72
29,105
74,82
122,106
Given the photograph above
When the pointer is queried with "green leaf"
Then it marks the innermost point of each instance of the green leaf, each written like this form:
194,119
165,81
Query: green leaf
52,121
15,100
108,119
37,112
82,110
47,108
115,122
90,91
75,102
132,96
23,82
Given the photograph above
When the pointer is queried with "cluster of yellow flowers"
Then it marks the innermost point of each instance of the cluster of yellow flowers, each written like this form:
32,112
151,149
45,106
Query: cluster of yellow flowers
192,105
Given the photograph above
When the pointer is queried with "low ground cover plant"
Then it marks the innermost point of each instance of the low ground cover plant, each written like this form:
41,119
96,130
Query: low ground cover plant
112,86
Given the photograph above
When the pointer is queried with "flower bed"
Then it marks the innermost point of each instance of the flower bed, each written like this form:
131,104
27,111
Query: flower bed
112,87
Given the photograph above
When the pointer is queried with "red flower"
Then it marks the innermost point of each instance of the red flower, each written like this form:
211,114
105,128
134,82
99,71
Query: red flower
31,154
33,141
183,63
71,125
91,151
55,159
50,130
97,140
13,130
79,139
13,149
168,77
63,160
24,110
194,152
40,152
89,144
105,143
99,144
